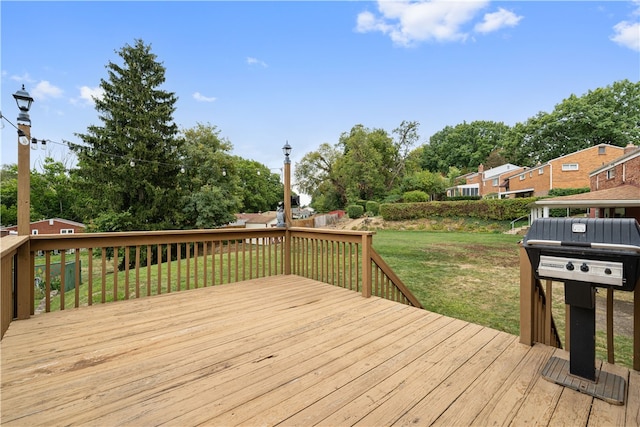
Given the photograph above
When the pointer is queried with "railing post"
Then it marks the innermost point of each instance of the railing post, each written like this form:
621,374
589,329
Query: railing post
527,287
287,251
24,283
636,329
366,265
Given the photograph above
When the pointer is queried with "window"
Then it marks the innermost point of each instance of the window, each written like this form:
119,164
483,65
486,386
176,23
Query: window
66,231
602,150
530,174
521,177
540,171
570,167
611,173
495,182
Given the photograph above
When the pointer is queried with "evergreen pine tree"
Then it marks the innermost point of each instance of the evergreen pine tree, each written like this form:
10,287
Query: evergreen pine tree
130,163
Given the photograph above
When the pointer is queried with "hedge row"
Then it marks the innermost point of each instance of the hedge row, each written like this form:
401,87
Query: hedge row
493,209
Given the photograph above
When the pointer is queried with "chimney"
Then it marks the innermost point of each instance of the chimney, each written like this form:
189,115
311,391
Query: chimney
629,148
480,168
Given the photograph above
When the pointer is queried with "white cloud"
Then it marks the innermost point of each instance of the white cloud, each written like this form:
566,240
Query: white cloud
23,78
627,34
256,61
44,90
200,97
90,94
497,20
408,22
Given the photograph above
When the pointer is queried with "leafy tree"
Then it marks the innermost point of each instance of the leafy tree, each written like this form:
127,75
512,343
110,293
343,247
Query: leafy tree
463,146
53,194
315,175
406,137
260,189
609,115
9,194
210,184
427,182
130,163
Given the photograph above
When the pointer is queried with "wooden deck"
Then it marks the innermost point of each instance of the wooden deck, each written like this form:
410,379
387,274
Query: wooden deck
281,350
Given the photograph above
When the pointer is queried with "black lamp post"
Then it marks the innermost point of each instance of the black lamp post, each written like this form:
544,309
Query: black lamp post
287,183
24,101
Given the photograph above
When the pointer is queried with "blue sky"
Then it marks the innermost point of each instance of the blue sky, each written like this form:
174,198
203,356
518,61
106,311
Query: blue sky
305,72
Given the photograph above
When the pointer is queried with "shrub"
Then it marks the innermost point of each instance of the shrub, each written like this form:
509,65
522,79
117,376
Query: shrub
373,208
495,209
355,211
415,196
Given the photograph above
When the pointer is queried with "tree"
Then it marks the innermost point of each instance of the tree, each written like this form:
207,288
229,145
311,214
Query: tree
315,176
463,146
53,194
130,163
210,185
9,194
609,115
260,189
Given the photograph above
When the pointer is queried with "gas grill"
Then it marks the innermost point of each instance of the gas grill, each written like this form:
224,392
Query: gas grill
585,253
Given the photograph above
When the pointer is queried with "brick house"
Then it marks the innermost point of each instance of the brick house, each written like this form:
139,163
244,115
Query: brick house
568,171
50,226
484,182
615,190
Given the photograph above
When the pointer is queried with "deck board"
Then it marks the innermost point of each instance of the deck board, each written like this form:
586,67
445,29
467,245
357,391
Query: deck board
283,350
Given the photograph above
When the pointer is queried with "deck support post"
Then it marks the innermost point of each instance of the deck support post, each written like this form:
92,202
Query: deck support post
24,282
527,291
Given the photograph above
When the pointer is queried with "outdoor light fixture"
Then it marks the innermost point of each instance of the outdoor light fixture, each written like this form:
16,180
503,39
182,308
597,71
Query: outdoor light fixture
24,101
22,137
287,151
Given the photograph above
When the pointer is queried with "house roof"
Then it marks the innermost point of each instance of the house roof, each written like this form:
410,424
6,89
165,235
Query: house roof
626,195
622,159
257,218
499,170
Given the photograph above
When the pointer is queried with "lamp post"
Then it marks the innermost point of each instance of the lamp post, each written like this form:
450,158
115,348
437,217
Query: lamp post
287,183
23,287
287,207
24,101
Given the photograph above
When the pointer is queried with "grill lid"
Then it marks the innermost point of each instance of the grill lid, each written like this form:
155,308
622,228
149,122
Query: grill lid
597,233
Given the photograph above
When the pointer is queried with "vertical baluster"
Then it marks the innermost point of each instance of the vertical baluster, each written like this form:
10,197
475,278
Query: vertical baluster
115,273
213,263
236,257
196,277
47,281
90,277
168,267
204,264
126,272
63,281
179,266
188,257
137,271
77,277
159,269
221,262
148,270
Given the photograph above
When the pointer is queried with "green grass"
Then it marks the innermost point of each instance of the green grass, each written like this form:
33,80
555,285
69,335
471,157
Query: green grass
470,276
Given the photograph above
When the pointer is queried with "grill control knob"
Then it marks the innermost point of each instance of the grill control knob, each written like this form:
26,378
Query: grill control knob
607,271
584,267
570,266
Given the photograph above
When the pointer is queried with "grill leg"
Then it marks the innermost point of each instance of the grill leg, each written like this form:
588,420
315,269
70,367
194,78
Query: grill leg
582,355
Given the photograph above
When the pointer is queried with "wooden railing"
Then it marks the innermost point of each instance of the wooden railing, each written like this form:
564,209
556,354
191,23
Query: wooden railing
536,319
346,259
65,271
